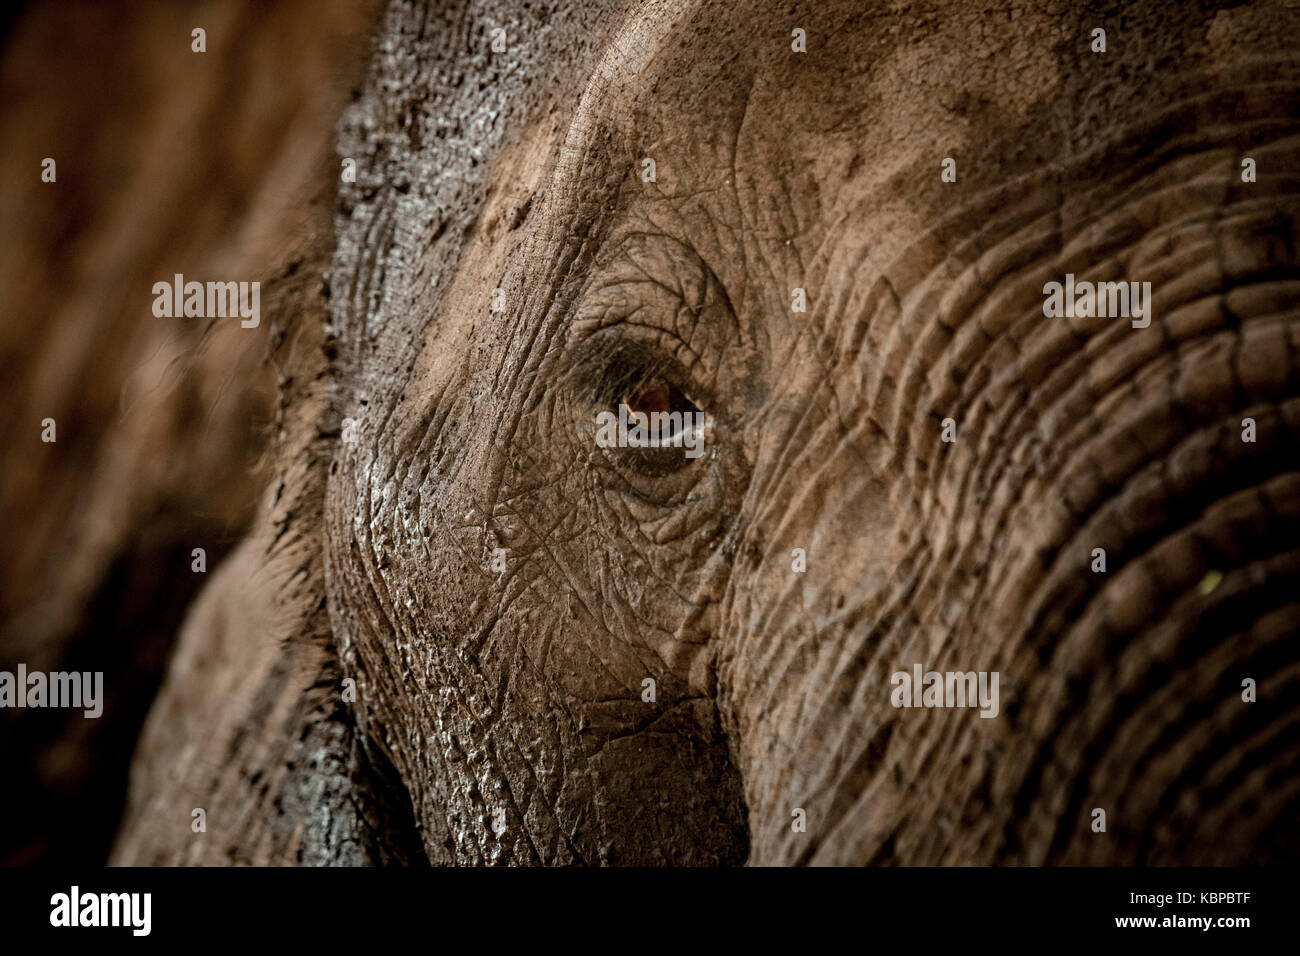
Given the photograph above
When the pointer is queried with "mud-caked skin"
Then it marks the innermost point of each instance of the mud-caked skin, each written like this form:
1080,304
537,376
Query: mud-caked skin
506,593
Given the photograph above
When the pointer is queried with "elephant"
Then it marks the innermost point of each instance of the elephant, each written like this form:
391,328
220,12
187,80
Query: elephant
462,631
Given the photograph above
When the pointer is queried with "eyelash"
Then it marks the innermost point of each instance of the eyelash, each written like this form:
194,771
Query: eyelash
616,372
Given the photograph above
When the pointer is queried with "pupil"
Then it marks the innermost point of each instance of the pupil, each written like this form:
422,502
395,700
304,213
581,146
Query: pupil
656,397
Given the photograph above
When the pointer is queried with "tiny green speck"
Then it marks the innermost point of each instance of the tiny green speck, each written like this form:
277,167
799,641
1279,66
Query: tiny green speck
1211,581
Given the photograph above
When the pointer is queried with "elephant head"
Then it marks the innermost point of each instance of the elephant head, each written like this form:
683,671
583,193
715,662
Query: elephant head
831,230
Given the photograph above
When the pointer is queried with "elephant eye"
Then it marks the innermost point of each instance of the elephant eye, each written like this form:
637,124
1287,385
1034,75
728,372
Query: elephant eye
661,397
665,430
633,403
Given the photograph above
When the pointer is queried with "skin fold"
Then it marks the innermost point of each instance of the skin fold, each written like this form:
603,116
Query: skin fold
500,715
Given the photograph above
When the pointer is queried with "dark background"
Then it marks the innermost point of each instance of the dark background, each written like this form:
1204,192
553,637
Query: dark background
167,161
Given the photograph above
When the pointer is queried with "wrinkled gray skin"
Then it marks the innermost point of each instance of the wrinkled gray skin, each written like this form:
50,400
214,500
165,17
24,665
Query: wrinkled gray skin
510,704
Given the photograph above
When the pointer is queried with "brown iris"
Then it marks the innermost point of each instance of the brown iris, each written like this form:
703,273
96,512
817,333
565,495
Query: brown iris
660,396
670,418
652,397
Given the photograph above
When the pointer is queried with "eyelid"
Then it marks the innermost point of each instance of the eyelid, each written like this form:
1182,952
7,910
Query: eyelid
625,365
648,270
613,356
649,288
644,307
